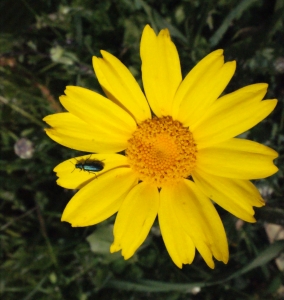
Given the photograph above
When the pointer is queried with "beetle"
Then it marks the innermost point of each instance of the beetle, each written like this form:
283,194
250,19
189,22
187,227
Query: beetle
90,166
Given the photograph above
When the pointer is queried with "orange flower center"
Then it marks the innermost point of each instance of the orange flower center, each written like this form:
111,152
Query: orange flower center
161,151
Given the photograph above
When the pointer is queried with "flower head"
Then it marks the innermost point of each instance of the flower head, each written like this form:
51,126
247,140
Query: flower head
173,163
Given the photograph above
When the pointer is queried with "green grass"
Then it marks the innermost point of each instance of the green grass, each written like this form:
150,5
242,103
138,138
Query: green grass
46,45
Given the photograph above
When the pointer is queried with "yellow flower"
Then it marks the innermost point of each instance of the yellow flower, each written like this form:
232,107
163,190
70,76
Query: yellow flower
174,162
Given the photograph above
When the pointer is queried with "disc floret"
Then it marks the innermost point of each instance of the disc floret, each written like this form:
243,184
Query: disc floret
162,151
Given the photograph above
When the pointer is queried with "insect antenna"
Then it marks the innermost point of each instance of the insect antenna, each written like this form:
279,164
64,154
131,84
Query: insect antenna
73,165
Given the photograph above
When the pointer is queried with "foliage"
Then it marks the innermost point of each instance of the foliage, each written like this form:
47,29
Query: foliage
46,45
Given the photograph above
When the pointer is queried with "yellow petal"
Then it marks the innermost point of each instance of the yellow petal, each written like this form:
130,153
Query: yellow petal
99,199
179,245
237,158
135,218
120,86
200,220
232,115
70,131
98,111
161,72
201,87
206,253
248,95
235,195
71,177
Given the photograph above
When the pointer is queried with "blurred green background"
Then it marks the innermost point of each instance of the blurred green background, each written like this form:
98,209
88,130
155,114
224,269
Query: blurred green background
46,45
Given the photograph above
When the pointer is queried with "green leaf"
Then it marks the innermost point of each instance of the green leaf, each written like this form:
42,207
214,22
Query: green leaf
263,258
100,240
234,14
155,286
158,22
272,215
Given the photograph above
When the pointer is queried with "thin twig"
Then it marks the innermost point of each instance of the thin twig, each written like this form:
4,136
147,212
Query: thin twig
21,111
17,219
43,231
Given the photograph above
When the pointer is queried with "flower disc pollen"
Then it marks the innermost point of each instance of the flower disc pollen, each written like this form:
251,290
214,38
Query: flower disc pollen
162,151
